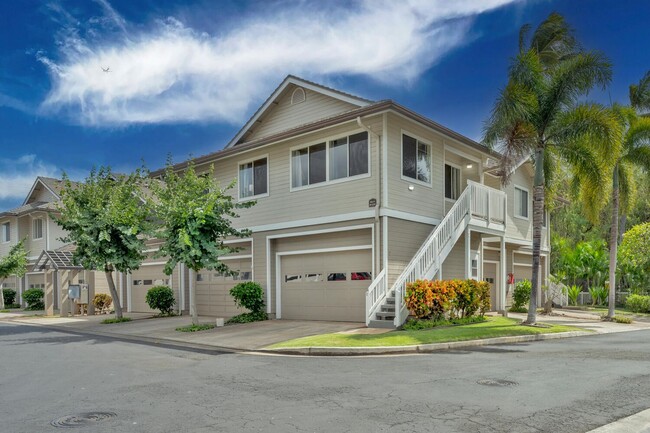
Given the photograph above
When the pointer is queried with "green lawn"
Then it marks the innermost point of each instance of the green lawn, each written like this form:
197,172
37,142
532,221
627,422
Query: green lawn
494,327
617,311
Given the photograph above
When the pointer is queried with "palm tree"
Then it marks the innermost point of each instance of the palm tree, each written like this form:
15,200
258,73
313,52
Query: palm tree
634,152
640,94
537,114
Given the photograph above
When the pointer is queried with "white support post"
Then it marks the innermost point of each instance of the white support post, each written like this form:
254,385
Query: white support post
25,287
468,254
503,280
129,289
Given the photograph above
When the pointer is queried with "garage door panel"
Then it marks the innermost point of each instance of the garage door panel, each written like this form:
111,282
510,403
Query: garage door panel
141,281
213,292
322,285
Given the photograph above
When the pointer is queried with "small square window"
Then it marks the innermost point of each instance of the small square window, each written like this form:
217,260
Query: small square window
253,178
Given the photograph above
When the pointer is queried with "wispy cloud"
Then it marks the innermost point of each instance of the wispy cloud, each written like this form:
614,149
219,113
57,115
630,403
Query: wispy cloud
173,73
17,175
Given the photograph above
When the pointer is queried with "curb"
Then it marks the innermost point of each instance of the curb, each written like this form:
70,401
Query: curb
421,348
315,351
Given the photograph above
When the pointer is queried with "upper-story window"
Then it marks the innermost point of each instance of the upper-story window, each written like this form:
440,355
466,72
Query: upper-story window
37,228
254,178
521,202
6,232
342,158
416,159
452,182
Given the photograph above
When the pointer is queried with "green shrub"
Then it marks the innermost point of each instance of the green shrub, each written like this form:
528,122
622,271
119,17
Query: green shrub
248,317
518,309
161,298
195,328
598,295
638,303
9,296
573,292
102,302
419,324
621,319
521,294
249,295
34,299
116,320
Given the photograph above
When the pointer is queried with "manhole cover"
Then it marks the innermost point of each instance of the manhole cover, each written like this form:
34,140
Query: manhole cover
496,382
82,419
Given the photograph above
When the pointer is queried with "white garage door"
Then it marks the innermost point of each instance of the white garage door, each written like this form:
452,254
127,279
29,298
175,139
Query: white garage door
213,289
325,286
141,281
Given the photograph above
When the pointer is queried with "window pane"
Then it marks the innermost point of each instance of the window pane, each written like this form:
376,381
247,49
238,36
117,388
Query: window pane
246,180
300,168
317,164
361,276
524,203
289,278
314,277
409,150
259,177
452,182
339,158
336,276
424,163
358,154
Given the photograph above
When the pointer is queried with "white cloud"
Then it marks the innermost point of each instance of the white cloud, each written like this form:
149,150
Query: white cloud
172,73
17,175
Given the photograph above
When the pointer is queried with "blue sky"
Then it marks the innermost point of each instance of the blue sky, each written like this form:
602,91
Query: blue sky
185,75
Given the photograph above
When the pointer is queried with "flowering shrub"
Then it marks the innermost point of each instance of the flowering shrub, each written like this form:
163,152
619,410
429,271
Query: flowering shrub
456,298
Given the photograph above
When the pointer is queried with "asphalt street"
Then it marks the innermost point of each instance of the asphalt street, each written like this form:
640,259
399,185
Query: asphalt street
571,385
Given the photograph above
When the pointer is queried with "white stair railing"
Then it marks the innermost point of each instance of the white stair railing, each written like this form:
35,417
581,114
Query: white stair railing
375,295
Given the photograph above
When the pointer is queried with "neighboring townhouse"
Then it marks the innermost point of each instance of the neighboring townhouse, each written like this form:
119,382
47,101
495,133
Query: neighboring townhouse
49,259
355,198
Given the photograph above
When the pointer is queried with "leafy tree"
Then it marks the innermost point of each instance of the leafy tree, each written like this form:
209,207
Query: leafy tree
538,114
196,215
14,263
107,221
634,254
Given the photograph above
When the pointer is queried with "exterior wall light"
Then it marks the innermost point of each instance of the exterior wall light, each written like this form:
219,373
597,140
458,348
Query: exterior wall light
469,165
411,187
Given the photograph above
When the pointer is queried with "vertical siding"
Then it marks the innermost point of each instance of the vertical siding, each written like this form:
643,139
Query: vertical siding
284,115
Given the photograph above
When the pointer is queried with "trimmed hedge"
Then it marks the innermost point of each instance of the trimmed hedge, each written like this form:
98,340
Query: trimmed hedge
161,298
9,296
34,299
638,303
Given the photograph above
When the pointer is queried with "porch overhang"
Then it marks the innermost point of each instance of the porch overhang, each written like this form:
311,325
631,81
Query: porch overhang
57,260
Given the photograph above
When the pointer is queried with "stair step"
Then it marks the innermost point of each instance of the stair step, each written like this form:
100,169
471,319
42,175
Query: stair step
386,315
385,324
390,300
388,308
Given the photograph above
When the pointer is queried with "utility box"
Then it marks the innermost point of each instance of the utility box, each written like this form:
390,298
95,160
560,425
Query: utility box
83,298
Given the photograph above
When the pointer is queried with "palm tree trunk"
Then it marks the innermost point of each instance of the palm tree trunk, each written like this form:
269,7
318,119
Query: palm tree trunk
613,246
538,215
111,288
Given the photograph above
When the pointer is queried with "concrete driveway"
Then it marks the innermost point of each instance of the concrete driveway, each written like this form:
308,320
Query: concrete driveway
245,336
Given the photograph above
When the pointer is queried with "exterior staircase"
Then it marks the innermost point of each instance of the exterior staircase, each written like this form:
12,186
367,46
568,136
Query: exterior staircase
479,207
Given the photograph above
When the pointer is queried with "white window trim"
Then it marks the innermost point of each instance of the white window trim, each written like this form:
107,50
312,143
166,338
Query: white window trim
521,217
42,229
327,161
460,180
401,159
268,178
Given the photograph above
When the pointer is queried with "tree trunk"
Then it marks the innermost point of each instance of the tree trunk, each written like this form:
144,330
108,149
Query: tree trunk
2,299
111,288
621,227
613,246
538,215
193,311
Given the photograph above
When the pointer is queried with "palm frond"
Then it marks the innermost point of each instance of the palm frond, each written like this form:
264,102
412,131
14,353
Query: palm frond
640,93
637,136
626,186
554,40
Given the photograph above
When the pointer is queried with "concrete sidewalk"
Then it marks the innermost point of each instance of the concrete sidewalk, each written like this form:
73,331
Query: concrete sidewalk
259,335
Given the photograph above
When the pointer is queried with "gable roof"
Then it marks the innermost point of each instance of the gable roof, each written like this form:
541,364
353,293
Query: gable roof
52,185
301,82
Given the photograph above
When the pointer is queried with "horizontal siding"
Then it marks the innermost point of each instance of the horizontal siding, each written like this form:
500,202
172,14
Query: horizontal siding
285,116
282,204
404,240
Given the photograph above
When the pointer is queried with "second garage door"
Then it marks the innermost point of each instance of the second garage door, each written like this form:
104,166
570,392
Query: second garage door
325,286
142,280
